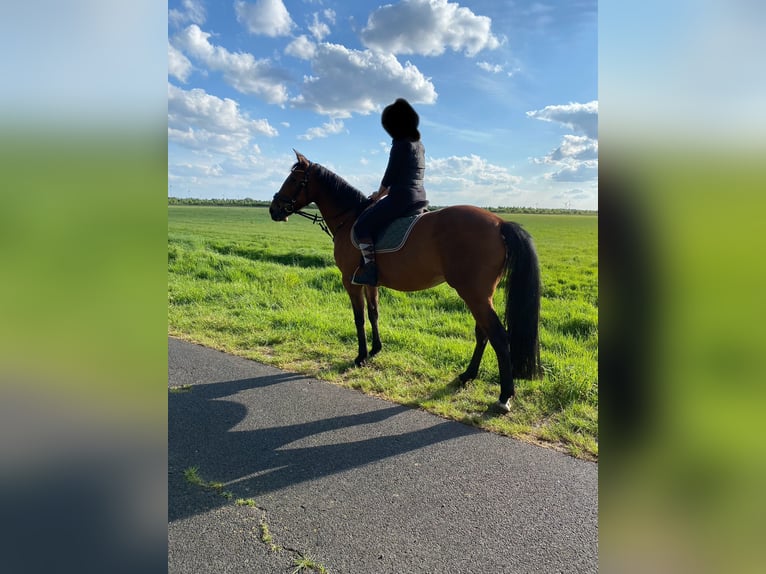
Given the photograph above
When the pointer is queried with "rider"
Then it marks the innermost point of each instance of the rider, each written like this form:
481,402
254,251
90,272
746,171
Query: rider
401,189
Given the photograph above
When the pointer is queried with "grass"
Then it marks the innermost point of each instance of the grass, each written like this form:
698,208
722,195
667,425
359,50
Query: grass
271,292
180,389
266,537
301,562
192,476
306,564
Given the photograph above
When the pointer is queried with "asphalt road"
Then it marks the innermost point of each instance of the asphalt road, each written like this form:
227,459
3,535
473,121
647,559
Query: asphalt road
358,484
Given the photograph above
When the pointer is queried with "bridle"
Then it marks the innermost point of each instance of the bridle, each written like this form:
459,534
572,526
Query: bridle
288,203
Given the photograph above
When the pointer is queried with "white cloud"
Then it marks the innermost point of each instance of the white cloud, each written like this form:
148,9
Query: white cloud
193,12
199,120
492,68
247,174
579,117
319,29
264,17
580,148
428,27
179,65
346,81
301,48
576,158
330,128
577,171
329,14
458,173
240,70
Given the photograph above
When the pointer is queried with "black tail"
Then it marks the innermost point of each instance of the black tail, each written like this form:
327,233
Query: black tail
522,306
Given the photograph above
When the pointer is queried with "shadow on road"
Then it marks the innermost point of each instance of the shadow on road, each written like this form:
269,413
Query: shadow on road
250,463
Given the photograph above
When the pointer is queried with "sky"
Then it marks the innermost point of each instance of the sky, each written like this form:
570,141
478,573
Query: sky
507,93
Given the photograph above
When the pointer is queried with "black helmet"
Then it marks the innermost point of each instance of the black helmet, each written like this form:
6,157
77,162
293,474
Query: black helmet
400,120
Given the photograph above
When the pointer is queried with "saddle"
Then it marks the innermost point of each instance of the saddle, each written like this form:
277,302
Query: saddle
394,236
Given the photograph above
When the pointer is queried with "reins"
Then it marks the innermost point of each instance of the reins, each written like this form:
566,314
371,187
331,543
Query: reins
316,219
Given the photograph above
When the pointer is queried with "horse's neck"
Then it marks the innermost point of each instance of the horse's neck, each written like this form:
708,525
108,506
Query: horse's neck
335,213
325,204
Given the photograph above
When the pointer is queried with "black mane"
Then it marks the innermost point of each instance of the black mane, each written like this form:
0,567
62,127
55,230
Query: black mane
347,195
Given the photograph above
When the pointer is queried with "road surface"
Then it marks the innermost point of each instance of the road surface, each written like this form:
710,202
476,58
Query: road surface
355,483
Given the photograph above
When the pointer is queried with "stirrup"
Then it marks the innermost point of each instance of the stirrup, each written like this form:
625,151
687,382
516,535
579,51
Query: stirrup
367,274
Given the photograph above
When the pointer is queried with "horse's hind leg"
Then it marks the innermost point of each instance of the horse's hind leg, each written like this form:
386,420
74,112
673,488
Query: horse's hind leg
498,338
473,367
488,321
371,294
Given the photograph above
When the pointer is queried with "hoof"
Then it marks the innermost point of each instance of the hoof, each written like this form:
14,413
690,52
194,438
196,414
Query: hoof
504,407
465,377
360,361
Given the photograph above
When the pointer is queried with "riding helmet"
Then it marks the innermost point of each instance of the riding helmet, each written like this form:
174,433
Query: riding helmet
401,120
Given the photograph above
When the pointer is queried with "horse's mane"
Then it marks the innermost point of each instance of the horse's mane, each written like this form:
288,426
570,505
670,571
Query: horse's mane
346,194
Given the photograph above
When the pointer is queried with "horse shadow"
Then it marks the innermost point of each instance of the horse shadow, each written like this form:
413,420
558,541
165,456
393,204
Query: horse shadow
211,429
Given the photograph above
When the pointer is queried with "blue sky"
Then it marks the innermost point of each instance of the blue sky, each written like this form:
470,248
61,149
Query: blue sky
506,92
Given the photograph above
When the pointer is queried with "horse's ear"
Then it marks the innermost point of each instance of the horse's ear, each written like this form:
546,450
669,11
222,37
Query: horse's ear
301,158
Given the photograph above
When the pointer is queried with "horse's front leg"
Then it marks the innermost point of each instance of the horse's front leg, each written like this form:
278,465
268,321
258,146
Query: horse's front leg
371,294
356,294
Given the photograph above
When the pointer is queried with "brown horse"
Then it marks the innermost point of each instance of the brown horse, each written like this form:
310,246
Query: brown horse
469,248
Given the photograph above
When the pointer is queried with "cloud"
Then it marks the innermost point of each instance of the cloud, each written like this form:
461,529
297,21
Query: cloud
330,128
578,117
319,29
492,68
579,148
301,48
264,17
240,70
193,12
471,180
199,120
329,14
461,172
345,81
574,172
576,158
179,65
428,27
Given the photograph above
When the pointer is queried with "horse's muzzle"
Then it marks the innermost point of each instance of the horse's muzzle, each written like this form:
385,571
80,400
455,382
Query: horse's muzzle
277,213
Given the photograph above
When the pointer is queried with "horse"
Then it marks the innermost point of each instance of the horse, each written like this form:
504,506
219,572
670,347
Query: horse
468,247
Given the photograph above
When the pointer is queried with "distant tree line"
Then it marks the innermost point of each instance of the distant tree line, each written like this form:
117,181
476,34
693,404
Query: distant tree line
247,202
543,210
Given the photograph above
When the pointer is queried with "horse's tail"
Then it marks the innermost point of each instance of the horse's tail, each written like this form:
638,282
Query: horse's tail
522,306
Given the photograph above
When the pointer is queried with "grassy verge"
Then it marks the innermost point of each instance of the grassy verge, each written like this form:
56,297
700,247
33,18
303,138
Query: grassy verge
271,292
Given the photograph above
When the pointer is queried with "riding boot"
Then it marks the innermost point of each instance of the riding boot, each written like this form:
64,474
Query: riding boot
367,274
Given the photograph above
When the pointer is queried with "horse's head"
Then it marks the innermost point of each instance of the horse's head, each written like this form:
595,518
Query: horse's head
293,195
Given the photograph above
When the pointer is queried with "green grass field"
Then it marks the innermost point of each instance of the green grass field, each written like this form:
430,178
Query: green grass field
271,292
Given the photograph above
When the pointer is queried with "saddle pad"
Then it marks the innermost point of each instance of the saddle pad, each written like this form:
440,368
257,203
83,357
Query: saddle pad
393,237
